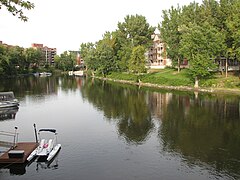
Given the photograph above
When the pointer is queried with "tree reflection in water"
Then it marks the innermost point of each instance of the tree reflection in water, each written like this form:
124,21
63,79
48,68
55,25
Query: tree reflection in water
125,104
203,130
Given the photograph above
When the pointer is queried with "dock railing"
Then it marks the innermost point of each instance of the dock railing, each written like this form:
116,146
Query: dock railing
9,143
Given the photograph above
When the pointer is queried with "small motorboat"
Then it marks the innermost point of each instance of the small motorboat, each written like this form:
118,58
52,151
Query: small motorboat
47,148
8,100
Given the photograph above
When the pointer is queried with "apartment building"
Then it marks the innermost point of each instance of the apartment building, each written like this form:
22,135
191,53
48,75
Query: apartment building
47,53
157,55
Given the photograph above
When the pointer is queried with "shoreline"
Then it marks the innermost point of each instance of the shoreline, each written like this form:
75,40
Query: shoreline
178,88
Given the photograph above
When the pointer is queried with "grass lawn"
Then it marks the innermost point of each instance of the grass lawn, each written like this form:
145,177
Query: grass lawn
170,77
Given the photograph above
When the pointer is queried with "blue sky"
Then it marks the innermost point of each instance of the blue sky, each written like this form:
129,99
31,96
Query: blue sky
66,24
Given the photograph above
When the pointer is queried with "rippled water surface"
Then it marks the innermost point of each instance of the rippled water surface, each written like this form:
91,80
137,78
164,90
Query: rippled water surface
115,131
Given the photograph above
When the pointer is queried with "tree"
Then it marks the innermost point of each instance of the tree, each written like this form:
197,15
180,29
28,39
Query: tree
64,61
3,59
137,61
32,57
106,61
134,31
16,7
88,53
171,34
233,24
224,14
200,45
16,60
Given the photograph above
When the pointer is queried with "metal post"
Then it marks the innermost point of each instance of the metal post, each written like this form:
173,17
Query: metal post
35,131
14,138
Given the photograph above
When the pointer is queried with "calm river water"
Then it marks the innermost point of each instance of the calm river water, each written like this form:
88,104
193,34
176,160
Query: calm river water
115,131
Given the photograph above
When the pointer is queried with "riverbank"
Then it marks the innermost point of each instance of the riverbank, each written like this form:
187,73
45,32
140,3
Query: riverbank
170,79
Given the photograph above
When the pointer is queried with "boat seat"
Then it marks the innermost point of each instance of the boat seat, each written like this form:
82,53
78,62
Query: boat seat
50,144
42,143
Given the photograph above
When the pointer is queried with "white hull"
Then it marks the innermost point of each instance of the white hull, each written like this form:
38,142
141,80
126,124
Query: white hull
49,156
7,104
53,153
32,155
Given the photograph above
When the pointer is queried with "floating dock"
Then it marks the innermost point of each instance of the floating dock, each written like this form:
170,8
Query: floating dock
25,147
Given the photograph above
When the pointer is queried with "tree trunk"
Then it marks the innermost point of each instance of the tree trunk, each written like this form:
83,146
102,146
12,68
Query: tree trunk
220,66
178,65
196,82
226,68
239,71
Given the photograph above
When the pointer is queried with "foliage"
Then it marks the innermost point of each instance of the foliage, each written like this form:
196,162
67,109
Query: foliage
171,34
113,52
66,61
134,31
233,24
17,60
137,60
88,53
16,7
106,61
32,58
200,45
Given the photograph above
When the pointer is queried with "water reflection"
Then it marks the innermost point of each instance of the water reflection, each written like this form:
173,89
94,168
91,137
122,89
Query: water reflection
8,113
203,130
125,104
21,169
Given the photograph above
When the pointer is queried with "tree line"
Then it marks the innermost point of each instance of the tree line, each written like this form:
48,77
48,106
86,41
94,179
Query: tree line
15,60
200,33
121,50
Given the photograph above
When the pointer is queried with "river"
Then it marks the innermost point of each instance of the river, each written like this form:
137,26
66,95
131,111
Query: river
117,131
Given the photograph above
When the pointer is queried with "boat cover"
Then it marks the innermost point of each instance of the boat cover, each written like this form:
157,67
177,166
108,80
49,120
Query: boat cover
49,130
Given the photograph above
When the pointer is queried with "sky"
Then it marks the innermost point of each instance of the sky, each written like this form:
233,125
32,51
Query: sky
66,24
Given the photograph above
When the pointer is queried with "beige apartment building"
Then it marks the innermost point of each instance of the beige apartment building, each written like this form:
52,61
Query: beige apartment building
157,55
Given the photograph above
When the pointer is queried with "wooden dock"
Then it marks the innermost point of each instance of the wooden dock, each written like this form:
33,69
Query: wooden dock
27,147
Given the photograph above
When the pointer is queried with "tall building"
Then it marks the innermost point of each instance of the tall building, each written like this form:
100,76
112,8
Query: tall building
47,53
157,55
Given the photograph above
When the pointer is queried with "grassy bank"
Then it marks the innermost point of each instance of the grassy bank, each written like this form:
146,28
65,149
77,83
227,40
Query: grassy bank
170,78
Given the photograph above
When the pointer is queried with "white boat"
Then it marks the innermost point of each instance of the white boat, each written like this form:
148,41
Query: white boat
47,149
78,73
44,74
8,100
70,73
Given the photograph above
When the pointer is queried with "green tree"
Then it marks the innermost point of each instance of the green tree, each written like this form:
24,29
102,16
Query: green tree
132,32
171,34
16,61
16,7
225,11
3,60
200,45
33,57
88,53
137,61
233,24
64,61
106,61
